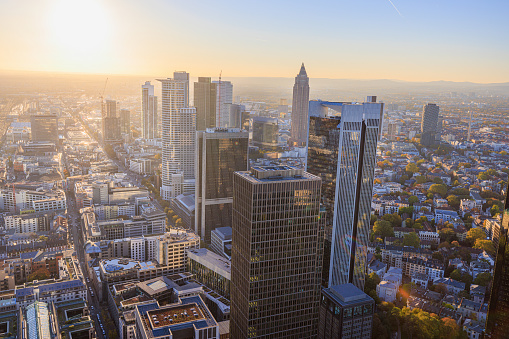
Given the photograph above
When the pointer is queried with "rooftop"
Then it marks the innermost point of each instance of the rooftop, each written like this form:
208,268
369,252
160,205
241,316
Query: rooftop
349,294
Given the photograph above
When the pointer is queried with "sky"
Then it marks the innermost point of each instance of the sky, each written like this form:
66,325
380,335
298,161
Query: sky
411,40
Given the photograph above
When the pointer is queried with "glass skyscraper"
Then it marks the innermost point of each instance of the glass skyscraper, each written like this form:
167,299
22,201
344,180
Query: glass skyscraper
221,152
148,112
277,250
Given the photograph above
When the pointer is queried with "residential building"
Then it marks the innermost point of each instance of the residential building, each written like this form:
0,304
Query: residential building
220,153
387,291
277,249
345,312
300,106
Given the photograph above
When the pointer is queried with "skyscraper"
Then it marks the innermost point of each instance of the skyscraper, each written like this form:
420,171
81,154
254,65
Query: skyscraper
220,153
148,112
236,111
111,123
299,130
277,244
44,127
429,124
179,130
125,122
497,325
205,101
358,138
224,99
265,132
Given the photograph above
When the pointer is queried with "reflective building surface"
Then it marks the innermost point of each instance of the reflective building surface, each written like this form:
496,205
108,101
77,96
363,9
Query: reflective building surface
277,253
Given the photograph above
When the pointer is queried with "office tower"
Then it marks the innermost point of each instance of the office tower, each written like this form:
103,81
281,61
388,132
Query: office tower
358,137
44,127
205,101
393,131
265,132
276,253
111,123
220,153
125,122
299,130
179,131
224,99
429,124
497,325
236,112
345,312
469,126
149,119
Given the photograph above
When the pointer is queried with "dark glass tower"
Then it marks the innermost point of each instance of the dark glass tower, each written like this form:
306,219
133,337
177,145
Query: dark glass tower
429,124
221,152
299,130
497,325
277,246
205,97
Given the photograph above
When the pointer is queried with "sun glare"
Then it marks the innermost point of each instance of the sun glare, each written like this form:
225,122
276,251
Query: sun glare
79,28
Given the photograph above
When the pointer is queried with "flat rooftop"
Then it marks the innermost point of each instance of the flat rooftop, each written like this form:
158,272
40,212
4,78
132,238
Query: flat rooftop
348,294
174,315
276,173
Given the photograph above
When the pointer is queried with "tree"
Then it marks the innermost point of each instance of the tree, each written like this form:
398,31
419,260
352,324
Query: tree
475,233
383,228
413,200
453,201
447,234
456,275
407,210
485,245
440,189
411,239
482,279
394,219
41,274
455,243
438,256
495,210
420,179
372,280
373,219
412,168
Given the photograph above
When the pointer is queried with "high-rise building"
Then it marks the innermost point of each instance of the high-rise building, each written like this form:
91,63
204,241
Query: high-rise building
44,127
224,99
149,119
205,101
345,312
265,132
179,131
220,153
111,123
497,325
429,124
277,251
236,111
125,122
300,104
358,139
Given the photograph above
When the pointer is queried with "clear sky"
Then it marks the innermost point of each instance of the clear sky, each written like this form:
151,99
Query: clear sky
457,40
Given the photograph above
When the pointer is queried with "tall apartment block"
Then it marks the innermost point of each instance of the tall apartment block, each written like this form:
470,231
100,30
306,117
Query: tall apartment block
179,132
277,241
497,325
205,101
344,147
220,153
149,121
44,127
125,122
429,124
299,128
345,312
223,102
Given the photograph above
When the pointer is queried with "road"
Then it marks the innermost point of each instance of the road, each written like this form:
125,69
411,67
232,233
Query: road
93,302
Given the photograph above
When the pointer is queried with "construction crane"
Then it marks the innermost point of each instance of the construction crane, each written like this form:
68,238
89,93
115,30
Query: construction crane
101,96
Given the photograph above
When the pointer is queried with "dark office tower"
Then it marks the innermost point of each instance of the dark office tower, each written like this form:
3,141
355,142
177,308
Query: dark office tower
148,112
497,325
111,123
429,124
220,153
345,312
265,132
125,122
44,127
359,135
205,98
299,132
322,161
277,249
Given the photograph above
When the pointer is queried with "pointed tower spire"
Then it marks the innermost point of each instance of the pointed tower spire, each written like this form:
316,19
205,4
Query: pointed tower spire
303,70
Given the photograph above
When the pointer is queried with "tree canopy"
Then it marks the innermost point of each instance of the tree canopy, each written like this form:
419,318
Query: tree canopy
411,239
383,228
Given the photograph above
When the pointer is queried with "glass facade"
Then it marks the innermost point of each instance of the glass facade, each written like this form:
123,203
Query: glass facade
44,127
221,152
205,96
277,253
265,132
